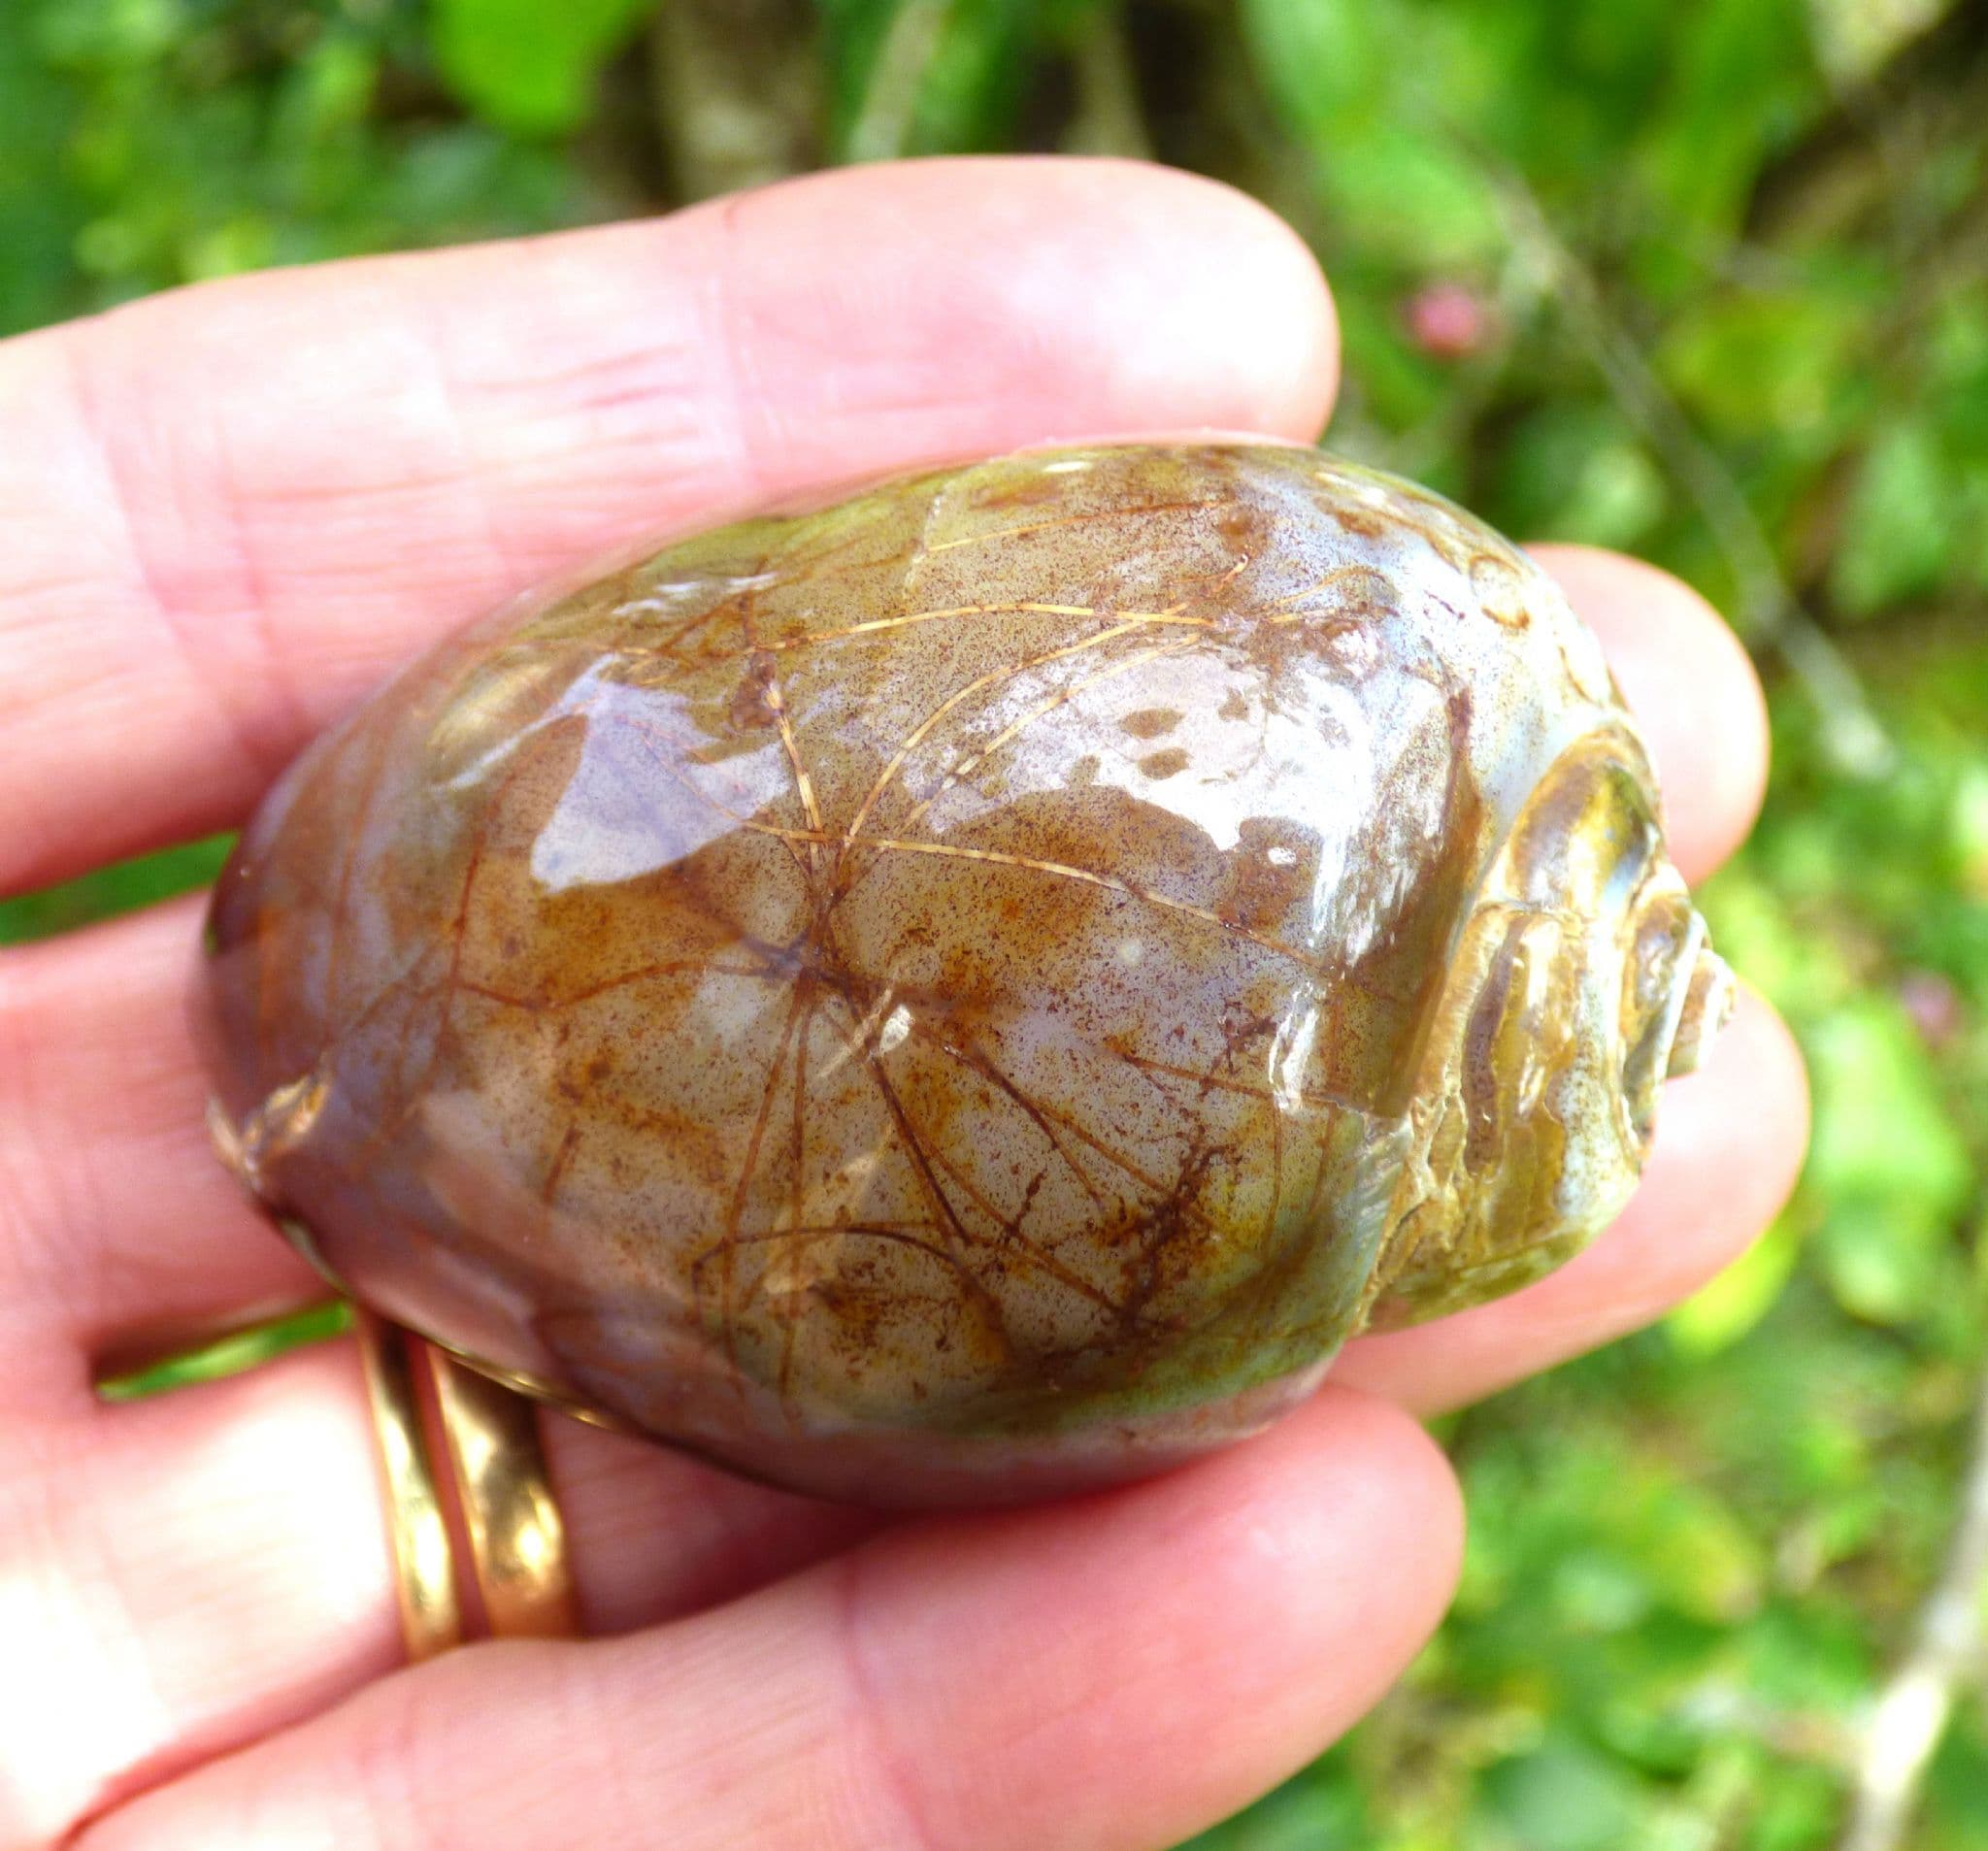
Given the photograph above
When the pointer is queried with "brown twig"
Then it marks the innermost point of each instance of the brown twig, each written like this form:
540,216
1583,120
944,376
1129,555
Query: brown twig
1905,1723
882,128
1108,118
737,92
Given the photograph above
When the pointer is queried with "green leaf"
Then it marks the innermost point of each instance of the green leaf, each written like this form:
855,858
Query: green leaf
1882,1128
1740,79
40,214
104,892
1783,362
1900,529
232,1354
1888,1168
1691,1548
1322,61
1406,194
1565,1797
530,65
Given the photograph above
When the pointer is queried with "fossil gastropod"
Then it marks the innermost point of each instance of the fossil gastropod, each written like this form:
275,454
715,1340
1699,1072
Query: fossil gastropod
977,989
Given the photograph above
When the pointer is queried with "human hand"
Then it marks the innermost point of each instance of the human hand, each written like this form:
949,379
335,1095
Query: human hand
224,514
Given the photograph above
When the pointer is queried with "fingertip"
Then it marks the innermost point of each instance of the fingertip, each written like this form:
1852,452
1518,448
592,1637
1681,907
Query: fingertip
1026,300
1151,1657
1346,1507
1387,1469
1244,287
1692,687
1742,1120
1729,1148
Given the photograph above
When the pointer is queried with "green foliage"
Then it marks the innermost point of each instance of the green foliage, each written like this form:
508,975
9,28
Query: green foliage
1910,506
146,142
934,77
525,65
107,891
1887,1161
1721,272
231,1355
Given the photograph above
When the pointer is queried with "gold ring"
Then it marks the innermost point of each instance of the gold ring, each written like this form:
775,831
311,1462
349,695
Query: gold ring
417,1524
517,1540
496,1486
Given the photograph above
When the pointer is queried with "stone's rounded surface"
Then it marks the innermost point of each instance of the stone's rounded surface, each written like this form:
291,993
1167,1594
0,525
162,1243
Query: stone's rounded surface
973,991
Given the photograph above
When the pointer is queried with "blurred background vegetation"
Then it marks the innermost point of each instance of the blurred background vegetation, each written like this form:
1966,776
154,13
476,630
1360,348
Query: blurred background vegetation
1700,279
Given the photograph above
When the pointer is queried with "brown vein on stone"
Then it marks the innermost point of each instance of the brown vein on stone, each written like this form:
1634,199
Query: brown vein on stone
742,1187
1293,610
1088,515
341,909
901,1232
817,1230
458,931
561,1158
675,967
972,762
923,1157
777,705
1200,1077
1118,1159
874,625
863,1024
915,1148
976,1062
1012,1243
992,679
669,649
1111,883
797,1181
661,744
1001,858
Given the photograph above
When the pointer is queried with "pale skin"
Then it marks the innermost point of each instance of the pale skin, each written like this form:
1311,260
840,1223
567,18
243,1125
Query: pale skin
224,514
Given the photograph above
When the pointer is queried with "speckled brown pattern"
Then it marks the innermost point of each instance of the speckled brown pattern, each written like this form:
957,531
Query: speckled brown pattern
975,990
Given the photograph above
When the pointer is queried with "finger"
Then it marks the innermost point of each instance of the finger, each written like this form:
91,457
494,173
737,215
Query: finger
657,1534
1113,1673
119,1229
174,1583
1729,1148
226,512
189,1574
1692,688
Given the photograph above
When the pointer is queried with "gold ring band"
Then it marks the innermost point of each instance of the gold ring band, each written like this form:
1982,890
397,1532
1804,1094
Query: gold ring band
417,1524
502,1494
517,1540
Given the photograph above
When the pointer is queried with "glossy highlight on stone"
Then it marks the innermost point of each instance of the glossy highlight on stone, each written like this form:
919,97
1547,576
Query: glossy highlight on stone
977,990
